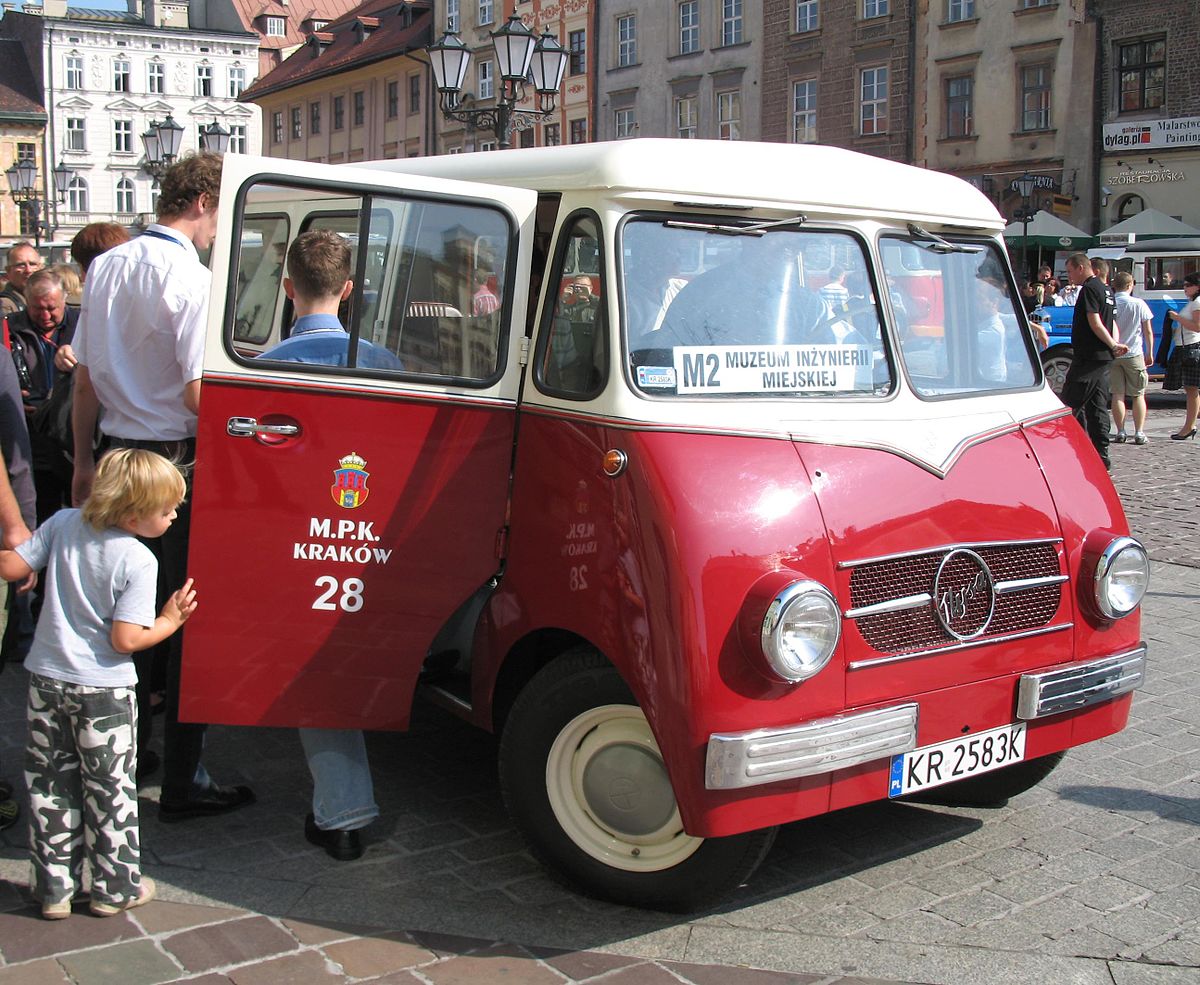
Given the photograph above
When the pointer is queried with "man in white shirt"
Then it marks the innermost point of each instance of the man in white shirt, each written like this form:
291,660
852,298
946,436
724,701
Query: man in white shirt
1134,324
140,346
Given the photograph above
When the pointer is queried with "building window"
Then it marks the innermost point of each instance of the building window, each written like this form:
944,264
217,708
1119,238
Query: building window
685,117
578,131
577,49
960,10
487,11
297,129
804,112
452,16
731,22
276,27
204,79
874,8
393,100
156,78
339,112
360,108
1028,4
77,195
126,203
1142,75
551,135
807,15
486,145
487,88
1035,97
74,72
873,101
626,123
414,94
237,138
121,72
277,127
26,152
123,136
314,119
237,81
76,139
689,27
729,115
960,106
526,139
627,40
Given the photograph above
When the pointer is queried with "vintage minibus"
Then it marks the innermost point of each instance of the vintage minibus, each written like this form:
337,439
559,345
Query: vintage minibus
720,480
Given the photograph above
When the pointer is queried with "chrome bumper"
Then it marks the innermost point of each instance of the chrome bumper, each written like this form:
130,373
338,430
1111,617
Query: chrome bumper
745,759
1072,686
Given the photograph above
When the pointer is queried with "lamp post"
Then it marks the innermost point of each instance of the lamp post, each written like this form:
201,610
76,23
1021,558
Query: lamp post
161,144
1024,186
520,57
22,186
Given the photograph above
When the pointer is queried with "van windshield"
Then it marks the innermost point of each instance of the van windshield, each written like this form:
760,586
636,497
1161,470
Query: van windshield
714,311
956,317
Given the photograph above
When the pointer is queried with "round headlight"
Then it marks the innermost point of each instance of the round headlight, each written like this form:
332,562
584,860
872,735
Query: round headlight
800,630
1122,576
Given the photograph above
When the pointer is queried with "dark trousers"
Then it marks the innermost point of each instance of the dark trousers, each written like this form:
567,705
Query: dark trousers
1086,392
183,742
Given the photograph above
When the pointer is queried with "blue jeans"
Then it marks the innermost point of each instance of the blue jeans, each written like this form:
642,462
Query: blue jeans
343,795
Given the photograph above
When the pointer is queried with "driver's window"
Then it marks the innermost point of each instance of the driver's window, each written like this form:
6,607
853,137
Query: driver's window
573,353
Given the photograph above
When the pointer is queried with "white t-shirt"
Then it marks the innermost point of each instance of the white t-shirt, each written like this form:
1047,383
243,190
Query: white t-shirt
1182,334
93,577
1128,318
141,334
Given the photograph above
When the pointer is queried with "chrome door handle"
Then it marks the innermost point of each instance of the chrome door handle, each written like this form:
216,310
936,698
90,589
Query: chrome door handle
248,427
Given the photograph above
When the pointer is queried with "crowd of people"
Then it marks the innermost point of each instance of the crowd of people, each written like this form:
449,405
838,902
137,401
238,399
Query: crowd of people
98,413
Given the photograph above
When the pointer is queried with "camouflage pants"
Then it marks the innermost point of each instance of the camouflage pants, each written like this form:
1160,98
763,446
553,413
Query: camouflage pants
79,766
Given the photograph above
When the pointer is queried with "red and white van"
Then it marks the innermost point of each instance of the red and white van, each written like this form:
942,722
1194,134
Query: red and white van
701,518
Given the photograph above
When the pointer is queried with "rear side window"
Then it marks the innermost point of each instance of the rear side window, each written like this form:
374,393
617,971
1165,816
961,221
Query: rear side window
430,285
957,317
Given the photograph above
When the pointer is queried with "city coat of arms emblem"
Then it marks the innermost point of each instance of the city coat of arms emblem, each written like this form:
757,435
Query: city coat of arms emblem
349,489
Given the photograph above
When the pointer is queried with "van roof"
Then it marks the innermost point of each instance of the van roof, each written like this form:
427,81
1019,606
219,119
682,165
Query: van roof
712,172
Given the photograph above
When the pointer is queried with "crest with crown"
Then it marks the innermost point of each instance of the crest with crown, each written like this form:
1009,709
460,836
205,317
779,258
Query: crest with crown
349,489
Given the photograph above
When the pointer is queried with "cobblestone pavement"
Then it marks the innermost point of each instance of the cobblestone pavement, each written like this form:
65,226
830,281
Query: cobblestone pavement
1090,878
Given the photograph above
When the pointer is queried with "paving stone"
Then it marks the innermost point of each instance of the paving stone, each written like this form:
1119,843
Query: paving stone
1107,893
304,968
1129,973
971,908
1156,873
133,963
696,974
495,964
45,971
25,935
232,943
162,917
582,965
369,957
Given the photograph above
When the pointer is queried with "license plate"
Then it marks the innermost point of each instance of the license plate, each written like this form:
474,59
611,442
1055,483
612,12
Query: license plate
945,762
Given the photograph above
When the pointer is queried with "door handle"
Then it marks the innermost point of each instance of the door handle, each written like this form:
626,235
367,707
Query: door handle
248,427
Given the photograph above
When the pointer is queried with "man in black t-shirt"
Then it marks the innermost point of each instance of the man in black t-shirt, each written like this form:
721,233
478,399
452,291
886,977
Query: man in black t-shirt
1086,388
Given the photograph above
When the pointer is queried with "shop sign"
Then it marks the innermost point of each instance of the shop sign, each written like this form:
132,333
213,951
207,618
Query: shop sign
1183,131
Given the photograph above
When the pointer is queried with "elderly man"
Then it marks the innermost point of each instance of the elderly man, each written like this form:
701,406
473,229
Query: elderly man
23,261
40,338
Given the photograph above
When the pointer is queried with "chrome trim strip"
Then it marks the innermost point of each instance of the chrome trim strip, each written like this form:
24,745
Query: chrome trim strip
987,641
948,547
745,759
1025,584
1043,418
894,605
1071,686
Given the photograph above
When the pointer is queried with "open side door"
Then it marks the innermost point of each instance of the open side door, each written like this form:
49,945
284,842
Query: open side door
341,514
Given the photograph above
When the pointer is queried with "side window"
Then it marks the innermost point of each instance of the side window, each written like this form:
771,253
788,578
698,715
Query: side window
428,284
572,359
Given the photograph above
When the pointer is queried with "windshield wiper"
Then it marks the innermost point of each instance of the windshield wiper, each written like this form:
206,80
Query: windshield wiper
756,229
939,245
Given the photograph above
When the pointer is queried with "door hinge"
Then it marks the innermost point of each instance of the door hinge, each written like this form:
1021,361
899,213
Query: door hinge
502,543
525,340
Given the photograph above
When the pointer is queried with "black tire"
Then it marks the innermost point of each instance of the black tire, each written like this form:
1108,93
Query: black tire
1055,363
994,789
575,711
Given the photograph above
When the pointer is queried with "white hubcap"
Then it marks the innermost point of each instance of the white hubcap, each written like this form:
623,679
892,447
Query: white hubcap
609,790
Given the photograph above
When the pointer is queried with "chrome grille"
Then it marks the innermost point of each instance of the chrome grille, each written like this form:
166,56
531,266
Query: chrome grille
917,628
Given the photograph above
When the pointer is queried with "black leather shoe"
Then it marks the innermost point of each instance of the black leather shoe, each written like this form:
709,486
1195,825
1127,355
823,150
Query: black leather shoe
345,846
214,800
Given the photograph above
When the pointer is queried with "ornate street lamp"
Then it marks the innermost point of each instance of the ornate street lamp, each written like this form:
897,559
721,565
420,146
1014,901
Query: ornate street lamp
22,186
1025,185
214,139
161,144
521,58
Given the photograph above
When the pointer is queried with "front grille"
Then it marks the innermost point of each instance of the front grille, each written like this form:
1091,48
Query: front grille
918,628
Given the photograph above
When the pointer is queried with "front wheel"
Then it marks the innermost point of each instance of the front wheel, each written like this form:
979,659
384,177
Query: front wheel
1055,363
584,781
